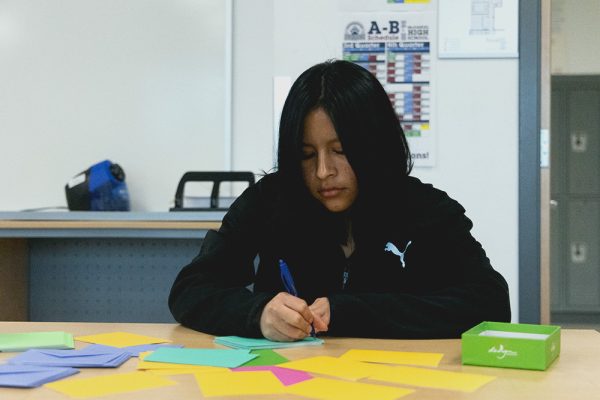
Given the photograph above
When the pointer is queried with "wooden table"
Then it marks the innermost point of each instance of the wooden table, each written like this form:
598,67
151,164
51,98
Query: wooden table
575,374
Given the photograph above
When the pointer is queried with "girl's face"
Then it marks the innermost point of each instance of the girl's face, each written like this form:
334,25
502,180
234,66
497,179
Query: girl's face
326,170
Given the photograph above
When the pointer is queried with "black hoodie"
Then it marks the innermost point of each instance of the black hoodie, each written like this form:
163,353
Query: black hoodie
419,274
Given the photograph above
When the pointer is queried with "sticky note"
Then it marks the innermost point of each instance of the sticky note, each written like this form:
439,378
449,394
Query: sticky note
164,368
136,350
285,376
209,357
238,342
187,370
84,388
431,378
239,383
394,357
27,376
35,340
120,339
347,369
93,356
331,389
265,357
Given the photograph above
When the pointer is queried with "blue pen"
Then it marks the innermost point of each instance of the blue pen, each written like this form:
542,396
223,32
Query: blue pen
288,282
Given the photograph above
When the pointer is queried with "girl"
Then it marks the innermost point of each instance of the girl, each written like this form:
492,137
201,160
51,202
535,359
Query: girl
372,251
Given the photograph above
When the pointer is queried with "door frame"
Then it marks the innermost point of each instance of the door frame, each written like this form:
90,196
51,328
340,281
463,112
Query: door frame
534,71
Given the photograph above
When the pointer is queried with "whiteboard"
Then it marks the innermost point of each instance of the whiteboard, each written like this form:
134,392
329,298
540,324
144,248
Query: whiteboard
140,82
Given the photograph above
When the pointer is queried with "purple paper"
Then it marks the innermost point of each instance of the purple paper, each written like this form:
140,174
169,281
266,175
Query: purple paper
91,350
285,375
94,356
27,376
133,350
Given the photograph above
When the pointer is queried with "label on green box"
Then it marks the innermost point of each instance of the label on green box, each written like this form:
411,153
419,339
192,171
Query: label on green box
507,345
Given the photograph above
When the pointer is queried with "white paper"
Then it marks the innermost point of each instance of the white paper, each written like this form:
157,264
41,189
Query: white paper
515,335
478,28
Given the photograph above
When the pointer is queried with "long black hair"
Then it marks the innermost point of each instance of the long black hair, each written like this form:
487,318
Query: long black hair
366,124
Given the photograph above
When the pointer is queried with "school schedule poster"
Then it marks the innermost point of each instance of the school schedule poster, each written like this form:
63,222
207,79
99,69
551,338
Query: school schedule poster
396,48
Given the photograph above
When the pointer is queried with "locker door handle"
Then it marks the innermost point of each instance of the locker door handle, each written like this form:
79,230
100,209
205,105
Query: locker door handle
578,252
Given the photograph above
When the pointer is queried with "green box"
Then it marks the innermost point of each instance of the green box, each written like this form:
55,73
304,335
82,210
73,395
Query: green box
507,345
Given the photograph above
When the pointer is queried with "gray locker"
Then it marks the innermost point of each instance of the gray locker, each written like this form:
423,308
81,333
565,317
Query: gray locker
583,162
575,190
582,270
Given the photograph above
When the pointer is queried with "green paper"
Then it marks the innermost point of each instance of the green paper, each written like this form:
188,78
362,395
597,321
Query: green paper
265,357
238,342
36,340
209,357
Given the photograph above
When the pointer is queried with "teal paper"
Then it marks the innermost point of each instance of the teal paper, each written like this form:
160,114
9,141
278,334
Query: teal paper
209,357
238,342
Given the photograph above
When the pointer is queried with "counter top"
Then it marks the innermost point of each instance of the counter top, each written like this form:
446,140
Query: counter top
179,224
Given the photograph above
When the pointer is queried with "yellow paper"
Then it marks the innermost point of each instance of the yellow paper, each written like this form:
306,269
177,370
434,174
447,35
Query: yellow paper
331,389
184,371
347,369
172,367
239,383
394,357
120,339
156,366
433,378
109,384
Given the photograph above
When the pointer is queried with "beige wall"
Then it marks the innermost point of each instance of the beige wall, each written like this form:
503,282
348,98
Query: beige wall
575,32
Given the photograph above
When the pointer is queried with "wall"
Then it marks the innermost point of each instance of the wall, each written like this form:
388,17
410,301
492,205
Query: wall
48,131
575,30
140,82
477,112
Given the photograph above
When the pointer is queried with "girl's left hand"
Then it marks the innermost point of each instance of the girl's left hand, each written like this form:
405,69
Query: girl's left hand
322,313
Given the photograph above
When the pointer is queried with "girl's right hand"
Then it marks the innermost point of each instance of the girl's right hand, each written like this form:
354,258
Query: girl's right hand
286,318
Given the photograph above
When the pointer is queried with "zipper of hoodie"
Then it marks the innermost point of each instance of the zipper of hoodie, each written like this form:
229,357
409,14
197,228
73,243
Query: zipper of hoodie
345,277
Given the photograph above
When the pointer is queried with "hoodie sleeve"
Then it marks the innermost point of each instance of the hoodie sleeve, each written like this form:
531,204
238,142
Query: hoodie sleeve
212,293
458,288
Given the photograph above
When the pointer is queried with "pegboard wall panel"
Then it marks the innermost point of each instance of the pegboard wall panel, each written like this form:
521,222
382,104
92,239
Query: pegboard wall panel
105,280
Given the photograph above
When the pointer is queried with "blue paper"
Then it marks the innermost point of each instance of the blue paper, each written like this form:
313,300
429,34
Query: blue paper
94,356
27,376
134,351
210,357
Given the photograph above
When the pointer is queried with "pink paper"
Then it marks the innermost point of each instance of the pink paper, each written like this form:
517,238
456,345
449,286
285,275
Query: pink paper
285,375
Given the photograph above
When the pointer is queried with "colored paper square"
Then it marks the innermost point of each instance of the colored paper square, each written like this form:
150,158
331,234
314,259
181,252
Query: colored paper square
331,389
35,340
238,342
109,384
394,357
285,375
347,369
265,357
208,357
431,378
120,339
239,383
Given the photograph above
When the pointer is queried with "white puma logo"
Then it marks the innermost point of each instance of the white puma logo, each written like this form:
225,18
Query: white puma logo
389,246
